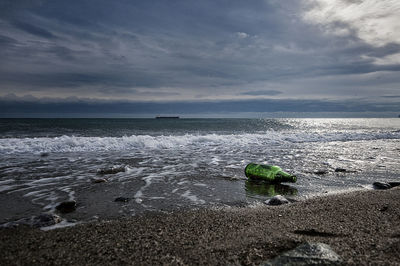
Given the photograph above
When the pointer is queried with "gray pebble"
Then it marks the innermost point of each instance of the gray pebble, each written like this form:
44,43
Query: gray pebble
277,200
381,185
307,254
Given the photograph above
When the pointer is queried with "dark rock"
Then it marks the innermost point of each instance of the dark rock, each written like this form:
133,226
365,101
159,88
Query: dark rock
112,170
394,184
42,220
384,208
45,219
277,200
307,254
99,180
381,185
122,199
66,206
340,170
321,172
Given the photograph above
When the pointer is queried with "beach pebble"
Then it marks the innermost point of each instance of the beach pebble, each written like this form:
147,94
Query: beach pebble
66,206
45,219
384,208
381,185
99,180
42,220
112,170
307,254
277,200
122,199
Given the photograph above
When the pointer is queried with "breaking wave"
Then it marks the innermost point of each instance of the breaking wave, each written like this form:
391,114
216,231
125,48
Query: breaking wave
144,142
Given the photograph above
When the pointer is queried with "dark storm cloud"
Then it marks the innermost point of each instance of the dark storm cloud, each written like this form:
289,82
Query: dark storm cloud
32,29
179,49
6,41
74,80
388,49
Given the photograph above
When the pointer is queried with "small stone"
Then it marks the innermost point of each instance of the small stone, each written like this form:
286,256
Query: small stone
99,180
42,220
45,219
384,208
381,185
321,172
340,170
277,200
307,254
66,206
122,199
112,170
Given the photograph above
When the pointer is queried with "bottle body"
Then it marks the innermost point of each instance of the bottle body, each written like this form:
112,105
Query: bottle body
269,173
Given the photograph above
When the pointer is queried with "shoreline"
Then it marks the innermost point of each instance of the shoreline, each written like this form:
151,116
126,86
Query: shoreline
361,226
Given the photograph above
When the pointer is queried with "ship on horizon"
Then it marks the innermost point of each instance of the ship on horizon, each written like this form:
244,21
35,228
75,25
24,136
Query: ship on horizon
167,117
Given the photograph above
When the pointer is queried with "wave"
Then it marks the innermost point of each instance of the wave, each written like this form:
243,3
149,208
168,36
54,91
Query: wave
143,142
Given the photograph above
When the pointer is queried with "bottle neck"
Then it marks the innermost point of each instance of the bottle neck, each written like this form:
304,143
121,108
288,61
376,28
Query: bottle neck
286,177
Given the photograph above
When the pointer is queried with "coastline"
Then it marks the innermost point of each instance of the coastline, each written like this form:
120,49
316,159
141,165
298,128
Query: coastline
362,227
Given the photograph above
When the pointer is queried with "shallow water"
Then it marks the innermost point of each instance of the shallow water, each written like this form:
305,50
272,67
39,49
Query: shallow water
169,164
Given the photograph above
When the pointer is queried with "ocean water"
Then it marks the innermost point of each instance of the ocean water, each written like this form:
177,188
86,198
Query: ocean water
165,165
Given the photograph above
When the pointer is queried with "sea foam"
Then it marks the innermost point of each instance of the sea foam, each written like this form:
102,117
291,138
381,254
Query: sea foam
147,142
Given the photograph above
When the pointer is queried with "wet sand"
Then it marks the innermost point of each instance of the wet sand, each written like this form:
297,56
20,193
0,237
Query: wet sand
361,227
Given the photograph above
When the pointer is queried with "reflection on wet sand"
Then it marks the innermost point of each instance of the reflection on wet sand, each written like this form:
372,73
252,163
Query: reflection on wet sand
266,189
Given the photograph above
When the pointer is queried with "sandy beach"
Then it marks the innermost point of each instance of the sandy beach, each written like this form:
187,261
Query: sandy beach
362,227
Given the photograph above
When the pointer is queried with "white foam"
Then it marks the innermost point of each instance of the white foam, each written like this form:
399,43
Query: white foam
7,181
155,198
215,161
61,224
30,185
134,170
188,195
148,181
7,187
212,141
138,194
37,193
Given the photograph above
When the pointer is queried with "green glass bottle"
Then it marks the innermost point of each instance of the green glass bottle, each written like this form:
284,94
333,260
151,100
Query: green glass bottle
269,173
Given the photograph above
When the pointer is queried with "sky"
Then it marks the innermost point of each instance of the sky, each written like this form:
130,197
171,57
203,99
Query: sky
199,58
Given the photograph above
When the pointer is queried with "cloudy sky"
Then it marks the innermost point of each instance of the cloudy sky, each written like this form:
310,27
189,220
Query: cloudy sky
190,56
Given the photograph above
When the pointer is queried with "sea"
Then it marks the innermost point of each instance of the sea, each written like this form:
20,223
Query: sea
116,168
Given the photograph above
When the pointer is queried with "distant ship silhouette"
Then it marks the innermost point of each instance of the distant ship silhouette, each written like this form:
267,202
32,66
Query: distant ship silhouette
167,117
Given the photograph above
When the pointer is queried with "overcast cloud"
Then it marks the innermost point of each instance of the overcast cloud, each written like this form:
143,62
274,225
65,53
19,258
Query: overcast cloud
199,51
